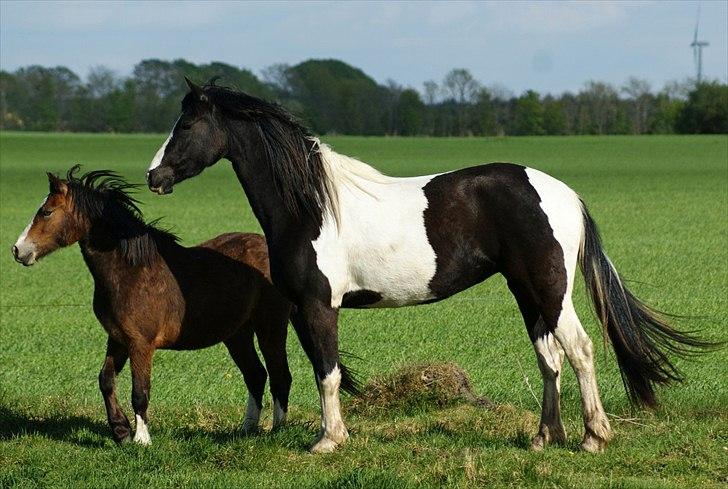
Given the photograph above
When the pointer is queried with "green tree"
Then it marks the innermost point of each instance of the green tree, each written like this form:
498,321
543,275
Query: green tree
529,114
706,110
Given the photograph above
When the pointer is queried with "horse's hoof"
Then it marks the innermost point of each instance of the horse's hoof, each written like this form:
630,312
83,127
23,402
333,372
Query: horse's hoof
546,435
324,445
328,442
250,428
593,444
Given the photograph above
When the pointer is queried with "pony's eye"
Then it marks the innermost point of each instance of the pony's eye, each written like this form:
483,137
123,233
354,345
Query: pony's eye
44,212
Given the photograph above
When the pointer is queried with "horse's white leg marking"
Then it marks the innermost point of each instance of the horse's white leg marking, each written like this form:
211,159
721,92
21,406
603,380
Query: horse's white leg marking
142,433
252,416
333,431
578,347
279,415
563,210
159,155
550,356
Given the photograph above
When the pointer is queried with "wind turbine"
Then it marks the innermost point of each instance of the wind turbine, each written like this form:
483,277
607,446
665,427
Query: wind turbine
698,49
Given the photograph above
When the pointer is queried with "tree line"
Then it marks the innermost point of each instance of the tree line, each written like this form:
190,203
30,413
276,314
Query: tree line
335,98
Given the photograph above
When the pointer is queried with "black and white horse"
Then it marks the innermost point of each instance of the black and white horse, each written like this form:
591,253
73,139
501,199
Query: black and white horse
341,234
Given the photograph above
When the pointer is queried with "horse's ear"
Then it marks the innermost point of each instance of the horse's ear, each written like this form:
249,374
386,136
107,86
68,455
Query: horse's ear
196,90
56,185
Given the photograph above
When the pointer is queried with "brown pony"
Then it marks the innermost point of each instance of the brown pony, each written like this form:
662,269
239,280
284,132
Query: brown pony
151,292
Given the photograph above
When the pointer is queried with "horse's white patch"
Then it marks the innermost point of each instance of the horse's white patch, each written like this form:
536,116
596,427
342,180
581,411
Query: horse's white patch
142,433
373,236
252,415
279,415
159,155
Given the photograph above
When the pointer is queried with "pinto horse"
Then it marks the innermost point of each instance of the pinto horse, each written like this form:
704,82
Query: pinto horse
150,293
341,234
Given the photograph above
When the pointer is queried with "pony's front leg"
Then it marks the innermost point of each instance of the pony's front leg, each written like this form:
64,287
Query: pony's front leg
141,370
317,329
116,356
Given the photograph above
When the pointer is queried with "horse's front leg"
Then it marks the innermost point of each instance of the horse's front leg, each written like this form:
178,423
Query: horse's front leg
116,356
317,329
141,370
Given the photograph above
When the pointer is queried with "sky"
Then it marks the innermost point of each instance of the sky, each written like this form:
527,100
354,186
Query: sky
547,46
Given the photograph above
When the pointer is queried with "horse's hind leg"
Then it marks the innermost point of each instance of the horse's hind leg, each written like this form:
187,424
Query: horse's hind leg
578,346
550,356
116,356
271,331
242,350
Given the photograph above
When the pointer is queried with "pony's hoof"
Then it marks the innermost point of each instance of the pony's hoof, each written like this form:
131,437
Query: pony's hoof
593,444
143,439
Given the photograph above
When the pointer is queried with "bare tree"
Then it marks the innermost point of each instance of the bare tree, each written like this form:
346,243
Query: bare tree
641,100
431,91
460,85
277,75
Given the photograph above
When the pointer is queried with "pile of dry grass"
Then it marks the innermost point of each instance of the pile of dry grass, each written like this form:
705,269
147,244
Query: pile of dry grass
423,385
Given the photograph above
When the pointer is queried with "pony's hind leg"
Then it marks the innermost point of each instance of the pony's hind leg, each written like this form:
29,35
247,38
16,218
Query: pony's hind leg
578,347
549,355
242,350
116,356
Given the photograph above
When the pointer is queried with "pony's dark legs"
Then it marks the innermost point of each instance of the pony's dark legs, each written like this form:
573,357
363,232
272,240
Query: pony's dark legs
272,341
140,356
316,326
116,356
242,351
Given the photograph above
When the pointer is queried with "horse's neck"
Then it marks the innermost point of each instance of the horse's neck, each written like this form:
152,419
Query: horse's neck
254,173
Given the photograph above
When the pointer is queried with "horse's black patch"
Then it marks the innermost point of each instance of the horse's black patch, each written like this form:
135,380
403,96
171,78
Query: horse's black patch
360,298
488,219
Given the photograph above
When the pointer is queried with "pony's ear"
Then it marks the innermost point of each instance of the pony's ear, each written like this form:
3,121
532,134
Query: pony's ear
196,90
56,185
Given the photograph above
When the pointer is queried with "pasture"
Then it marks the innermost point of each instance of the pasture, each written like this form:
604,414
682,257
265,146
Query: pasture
661,203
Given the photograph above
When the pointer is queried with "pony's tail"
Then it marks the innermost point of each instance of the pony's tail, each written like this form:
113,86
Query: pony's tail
350,382
640,336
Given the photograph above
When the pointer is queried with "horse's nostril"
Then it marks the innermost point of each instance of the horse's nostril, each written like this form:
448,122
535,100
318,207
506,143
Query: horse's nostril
15,251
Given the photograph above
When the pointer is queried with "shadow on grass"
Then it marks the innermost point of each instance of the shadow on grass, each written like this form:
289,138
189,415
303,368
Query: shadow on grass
72,429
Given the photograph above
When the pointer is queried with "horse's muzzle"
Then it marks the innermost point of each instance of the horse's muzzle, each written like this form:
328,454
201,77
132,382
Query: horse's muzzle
160,180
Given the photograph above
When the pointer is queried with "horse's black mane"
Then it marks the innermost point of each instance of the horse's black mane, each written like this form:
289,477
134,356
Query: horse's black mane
291,149
103,195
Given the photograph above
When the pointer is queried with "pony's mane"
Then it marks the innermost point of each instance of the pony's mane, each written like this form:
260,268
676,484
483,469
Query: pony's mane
104,195
292,151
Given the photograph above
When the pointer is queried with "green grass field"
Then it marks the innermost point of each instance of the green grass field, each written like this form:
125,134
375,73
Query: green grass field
661,203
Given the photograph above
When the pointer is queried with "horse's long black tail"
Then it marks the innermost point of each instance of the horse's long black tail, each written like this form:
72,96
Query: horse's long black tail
640,336
350,382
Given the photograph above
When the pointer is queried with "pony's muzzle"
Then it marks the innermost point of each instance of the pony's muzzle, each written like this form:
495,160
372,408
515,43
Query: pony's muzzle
26,259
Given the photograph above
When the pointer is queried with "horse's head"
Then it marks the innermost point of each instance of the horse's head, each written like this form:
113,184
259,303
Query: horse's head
197,141
53,226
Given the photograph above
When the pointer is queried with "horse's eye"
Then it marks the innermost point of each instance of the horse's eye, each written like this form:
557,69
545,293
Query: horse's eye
44,212
185,126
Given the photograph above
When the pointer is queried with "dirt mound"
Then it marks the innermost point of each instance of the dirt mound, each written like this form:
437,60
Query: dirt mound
419,386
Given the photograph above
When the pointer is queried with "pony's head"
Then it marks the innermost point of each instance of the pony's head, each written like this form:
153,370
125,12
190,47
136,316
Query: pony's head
54,225
94,205
198,140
